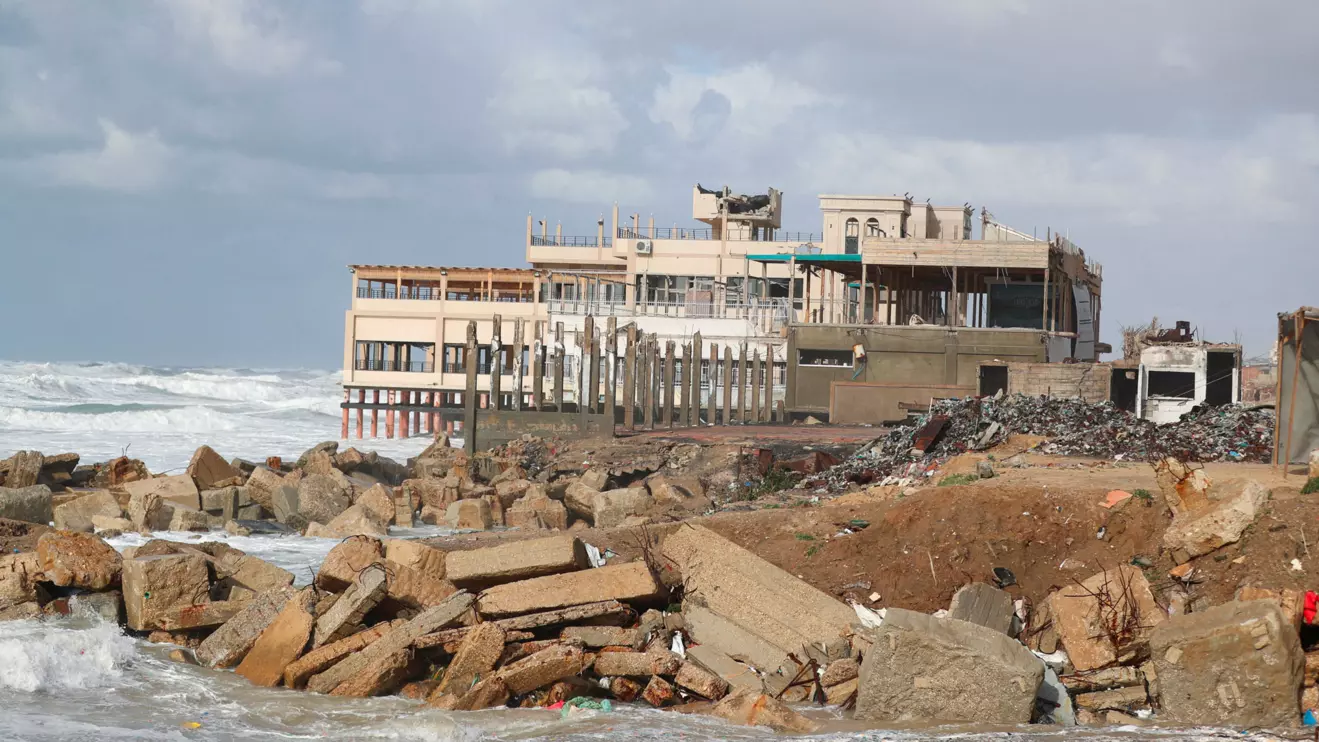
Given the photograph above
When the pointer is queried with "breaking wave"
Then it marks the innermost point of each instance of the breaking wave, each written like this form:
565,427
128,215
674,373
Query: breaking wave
191,419
45,657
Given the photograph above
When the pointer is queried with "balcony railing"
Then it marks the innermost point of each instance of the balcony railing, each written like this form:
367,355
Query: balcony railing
415,367
706,233
365,293
482,369
569,241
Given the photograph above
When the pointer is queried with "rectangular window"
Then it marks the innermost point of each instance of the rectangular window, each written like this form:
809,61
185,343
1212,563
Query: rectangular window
1177,384
839,358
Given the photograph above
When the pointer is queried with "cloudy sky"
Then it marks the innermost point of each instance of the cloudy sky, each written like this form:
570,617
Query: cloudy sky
183,181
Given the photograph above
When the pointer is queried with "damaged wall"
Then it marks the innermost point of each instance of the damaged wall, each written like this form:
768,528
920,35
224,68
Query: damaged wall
1176,378
1088,381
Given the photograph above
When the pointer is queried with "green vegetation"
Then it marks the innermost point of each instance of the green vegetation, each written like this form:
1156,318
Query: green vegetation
813,550
805,537
775,480
953,480
1142,495
1311,487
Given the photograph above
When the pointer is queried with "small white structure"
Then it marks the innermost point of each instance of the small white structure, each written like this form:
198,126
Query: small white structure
1175,377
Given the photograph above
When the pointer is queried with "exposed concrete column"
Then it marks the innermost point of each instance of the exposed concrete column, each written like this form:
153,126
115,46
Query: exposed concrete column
954,300
792,287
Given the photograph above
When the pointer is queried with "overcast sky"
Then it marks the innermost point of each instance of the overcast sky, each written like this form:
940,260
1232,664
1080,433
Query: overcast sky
183,182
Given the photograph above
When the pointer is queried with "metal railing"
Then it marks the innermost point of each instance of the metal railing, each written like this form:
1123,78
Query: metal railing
569,241
416,367
436,295
707,233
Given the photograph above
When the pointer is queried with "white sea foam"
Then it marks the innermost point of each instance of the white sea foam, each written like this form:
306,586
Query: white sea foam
37,656
191,419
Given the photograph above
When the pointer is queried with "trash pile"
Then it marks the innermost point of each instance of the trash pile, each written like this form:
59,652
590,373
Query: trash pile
1073,427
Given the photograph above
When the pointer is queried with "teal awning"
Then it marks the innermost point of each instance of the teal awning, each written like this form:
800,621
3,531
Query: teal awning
805,259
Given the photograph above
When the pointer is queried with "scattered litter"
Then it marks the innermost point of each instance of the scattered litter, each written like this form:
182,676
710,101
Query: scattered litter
1296,566
582,703
870,619
874,597
594,556
677,647
1003,577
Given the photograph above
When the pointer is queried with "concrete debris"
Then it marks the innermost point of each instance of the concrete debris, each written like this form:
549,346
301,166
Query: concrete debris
228,645
31,504
1231,508
281,643
154,586
1239,664
1105,619
985,605
77,515
623,582
760,710
920,667
81,560
475,658
518,560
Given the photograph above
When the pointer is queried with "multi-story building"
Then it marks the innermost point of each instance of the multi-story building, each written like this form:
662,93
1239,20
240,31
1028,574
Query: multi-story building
734,278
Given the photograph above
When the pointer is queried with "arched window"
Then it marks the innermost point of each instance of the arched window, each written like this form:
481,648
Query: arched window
852,236
872,228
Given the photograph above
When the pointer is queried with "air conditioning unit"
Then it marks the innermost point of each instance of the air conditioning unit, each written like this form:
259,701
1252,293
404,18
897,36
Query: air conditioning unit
644,247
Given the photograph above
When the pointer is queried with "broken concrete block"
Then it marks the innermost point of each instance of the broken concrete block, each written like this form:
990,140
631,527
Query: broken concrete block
758,598
22,470
201,615
596,479
178,489
596,637
357,520
156,585
1239,664
281,643
712,630
405,508
150,512
669,491
840,671
103,523
77,515
624,582
760,710
317,660
491,691
413,589
624,689
222,502
542,668
207,468
29,504
381,676
475,658
579,499
636,664
246,576
700,681
1184,488
921,667
1082,620
425,559
1292,602
985,605
739,676
379,501
228,645
261,486
550,513
73,559
348,612
188,520
469,515
611,509
1235,505
511,491
1120,699
321,498
526,520
346,560
659,692
517,560
429,620
19,575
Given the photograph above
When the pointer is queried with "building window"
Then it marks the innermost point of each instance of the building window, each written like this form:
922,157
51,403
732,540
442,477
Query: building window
873,229
807,357
1175,384
852,236
372,355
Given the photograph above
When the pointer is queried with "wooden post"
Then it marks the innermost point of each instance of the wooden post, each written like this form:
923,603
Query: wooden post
755,386
361,399
769,384
742,383
517,364
697,351
611,369
558,367
469,395
630,378
713,405
375,414
648,378
496,358
728,384
538,371
666,416
343,429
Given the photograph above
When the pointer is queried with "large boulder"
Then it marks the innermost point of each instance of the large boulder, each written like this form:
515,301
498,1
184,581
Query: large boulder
28,504
328,447
282,642
925,668
469,514
156,587
76,515
611,509
357,520
178,490
73,559
983,604
1239,664
379,501
321,498
1233,506
148,512
261,486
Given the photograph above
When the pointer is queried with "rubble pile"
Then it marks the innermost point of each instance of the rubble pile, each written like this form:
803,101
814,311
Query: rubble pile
1072,427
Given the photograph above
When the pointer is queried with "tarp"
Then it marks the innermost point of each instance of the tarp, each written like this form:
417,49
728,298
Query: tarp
1298,393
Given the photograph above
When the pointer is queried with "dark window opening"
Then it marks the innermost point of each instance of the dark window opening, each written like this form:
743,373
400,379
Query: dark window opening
1179,384
824,357
1122,389
1218,390
993,379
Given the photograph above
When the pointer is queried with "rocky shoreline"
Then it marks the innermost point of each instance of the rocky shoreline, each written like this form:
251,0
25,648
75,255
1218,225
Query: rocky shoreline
692,622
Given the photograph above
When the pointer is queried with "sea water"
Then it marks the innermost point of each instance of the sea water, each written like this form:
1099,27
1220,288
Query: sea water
78,679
